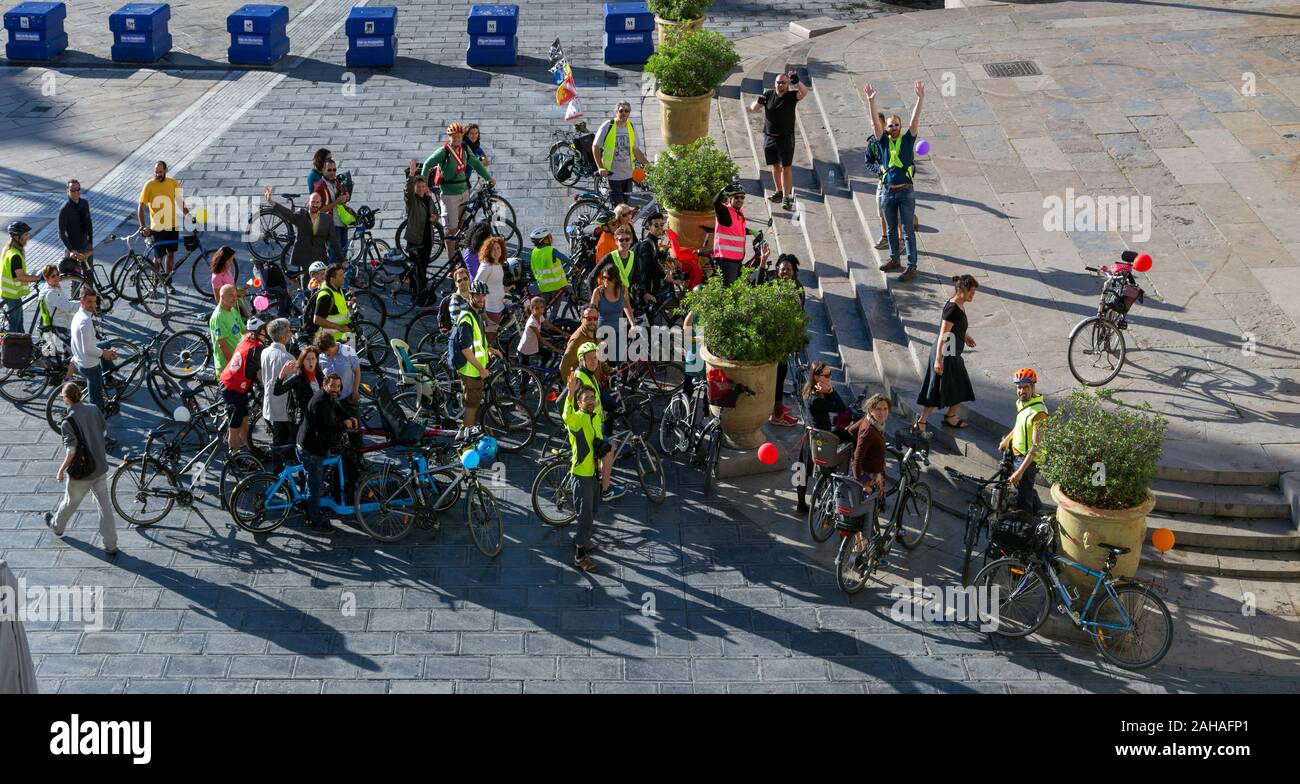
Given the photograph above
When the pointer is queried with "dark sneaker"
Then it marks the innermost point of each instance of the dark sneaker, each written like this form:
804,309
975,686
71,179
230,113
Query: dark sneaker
775,197
891,266
907,275
592,546
49,523
801,509
883,244
324,529
584,564
787,204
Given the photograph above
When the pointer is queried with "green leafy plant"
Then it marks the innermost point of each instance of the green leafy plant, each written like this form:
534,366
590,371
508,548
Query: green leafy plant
679,10
1102,455
685,178
747,323
690,63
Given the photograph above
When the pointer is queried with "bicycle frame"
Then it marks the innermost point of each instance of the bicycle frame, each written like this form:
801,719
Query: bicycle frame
296,494
1044,561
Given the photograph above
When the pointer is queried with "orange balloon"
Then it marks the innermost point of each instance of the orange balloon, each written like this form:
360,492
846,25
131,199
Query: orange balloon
1163,540
767,453
257,283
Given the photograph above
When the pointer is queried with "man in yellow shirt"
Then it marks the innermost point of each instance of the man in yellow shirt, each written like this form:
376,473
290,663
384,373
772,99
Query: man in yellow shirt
162,197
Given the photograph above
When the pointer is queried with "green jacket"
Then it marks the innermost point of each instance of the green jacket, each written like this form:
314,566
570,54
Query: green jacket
583,429
453,184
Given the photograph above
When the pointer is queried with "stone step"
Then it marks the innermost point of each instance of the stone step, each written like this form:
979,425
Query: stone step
1259,534
1248,564
1220,500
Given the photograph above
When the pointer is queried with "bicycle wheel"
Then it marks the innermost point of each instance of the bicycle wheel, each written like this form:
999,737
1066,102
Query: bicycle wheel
1150,630
850,572
712,452
370,342
650,470
142,491
552,494
1024,597
56,410
122,270
422,327
563,163
399,237
970,540
582,215
674,428
1096,353
151,292
236,468
269,236
201,275
370,307
522,383
185,354
821,508
508,420
483,517
25,385
385,506
420,410
260,503
914,517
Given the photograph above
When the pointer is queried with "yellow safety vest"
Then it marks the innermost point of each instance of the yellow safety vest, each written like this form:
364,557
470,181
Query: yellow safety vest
895,159
480,346
611,140
1022,436
624,271
547,270
342,317
10,286
598,416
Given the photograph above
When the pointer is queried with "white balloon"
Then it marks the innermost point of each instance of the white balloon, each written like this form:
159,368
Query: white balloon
181,414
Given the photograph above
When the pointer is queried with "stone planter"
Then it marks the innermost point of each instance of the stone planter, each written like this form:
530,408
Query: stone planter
1082,527
662,25
743,425
687,226
683,120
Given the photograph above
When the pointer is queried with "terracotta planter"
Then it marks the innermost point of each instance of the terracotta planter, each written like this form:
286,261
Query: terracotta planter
1082,527
687,226
683,120
743,425
662,26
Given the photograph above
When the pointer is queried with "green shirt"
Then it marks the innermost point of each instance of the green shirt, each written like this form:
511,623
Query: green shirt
583,429
453,184
224,325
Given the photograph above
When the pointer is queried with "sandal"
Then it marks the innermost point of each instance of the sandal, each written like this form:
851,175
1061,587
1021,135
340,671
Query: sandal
958,425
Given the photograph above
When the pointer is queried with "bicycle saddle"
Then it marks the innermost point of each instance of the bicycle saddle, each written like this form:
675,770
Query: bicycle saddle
1113,549
289,196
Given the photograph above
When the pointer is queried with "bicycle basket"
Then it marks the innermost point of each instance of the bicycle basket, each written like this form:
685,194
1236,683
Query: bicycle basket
191,241
1018,531
723,392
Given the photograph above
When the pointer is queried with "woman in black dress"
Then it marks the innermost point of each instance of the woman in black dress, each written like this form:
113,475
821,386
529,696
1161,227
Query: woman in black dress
946,383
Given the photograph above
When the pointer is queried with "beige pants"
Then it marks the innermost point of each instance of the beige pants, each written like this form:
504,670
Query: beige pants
74,492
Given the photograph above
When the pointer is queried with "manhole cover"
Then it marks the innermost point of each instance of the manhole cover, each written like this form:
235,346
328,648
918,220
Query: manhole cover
1013,68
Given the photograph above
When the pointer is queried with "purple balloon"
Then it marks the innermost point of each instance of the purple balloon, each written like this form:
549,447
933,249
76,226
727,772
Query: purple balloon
922,147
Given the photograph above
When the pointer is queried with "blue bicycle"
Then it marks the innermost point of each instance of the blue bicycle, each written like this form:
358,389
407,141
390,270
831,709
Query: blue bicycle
1129,624
263,501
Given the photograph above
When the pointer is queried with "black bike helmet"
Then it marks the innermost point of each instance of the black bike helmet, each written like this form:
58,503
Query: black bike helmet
366,217
478,287
733,189
18,228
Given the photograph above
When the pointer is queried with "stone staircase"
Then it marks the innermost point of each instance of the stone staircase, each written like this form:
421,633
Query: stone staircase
1232,518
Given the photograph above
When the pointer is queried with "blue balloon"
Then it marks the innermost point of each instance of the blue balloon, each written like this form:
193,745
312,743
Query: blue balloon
470,459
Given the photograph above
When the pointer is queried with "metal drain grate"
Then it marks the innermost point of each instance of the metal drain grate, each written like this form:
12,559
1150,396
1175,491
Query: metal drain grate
1013,68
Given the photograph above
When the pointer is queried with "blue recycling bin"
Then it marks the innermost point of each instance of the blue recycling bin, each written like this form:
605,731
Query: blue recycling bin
36,31
140,32
493,35
629,33
258,34
372,37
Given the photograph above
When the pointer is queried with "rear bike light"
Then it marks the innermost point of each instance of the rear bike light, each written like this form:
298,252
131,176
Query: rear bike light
844,510
844,532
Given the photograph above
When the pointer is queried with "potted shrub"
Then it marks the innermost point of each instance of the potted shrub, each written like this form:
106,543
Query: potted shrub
684,180
1099,459
746,330
687,67
675,14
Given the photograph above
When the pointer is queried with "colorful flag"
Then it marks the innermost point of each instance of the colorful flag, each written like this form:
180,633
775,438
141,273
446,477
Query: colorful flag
565,92
574,111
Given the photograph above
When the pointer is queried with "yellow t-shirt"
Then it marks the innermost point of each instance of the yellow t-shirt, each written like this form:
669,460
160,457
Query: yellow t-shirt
164,202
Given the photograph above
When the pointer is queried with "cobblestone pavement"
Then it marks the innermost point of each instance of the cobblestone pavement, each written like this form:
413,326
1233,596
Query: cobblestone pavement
742,602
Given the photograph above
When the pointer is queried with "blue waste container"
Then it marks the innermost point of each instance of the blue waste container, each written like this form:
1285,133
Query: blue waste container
258,34
372,37
140,32
493,35
36,31
629,33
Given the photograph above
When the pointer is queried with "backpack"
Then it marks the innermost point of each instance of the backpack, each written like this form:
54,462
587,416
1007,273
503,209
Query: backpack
455,358
444,313
871,156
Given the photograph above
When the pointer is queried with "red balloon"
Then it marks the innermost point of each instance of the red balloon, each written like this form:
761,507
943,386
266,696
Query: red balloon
1142,263
767,453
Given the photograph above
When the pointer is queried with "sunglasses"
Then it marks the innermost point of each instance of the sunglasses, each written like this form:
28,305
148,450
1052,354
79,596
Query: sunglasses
624,111
591,318
621,240
893,125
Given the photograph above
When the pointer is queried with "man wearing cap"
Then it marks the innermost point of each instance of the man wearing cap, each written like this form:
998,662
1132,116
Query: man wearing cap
448,169
615,150
1025,438
589,374
729,231
237,379
469,353
585,426
13,274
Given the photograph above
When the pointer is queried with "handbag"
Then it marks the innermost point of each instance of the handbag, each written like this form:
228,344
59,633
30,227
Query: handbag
83,463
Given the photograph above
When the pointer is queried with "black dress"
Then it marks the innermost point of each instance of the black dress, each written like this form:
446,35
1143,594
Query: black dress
953,386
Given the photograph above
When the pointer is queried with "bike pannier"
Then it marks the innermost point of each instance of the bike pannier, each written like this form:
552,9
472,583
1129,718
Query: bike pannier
17,351
1019,531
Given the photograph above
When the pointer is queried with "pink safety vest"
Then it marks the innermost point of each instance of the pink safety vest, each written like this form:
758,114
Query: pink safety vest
729,241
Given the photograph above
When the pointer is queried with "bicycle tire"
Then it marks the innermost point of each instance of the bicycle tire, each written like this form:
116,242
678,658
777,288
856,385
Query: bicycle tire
509,421
582,213
522,383
914,515
552,494
1154,618
848,574
185,354
397,506
370,307
152,294
399,236
260,503
483,516
422,411
674,435
421,326
370,342
1018,614
821,509
1095,332
650,470
269,236
122,270
148,469
970,538
24,385
235,469
560,154
712,453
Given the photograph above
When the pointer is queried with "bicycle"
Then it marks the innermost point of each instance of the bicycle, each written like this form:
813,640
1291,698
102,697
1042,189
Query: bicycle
139,278
570,159
865,545
992,498
1121,616
595,208
1097,349
270,236
681,431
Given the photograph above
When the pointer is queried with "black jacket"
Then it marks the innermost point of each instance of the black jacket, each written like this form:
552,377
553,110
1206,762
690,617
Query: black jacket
74,226
302,389
417,214
309,246
322,426
649,274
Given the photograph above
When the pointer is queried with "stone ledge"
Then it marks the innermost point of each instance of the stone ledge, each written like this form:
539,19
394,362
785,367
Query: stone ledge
811,28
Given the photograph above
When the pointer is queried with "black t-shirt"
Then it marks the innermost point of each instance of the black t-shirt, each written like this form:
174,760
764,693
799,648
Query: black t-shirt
778,112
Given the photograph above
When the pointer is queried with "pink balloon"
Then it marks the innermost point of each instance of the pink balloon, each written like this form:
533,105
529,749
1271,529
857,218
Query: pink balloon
767,453
261,303
923,147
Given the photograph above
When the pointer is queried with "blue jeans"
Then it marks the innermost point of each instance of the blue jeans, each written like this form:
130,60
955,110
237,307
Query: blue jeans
14,309
900,209
1026,497
95,386
315,467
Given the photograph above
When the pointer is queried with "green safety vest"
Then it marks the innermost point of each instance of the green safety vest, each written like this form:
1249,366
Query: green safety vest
611,140
895,149
341,305
10,286
480,346
547,270
47,318
624,271
1022,436
583,431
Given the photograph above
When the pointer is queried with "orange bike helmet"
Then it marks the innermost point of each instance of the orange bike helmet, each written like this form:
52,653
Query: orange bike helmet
1026,376
638,175
455,128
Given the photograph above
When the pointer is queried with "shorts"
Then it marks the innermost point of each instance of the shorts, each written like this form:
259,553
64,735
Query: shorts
880,198
472,389
236,406
778,150
165,242
492,321
451,212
